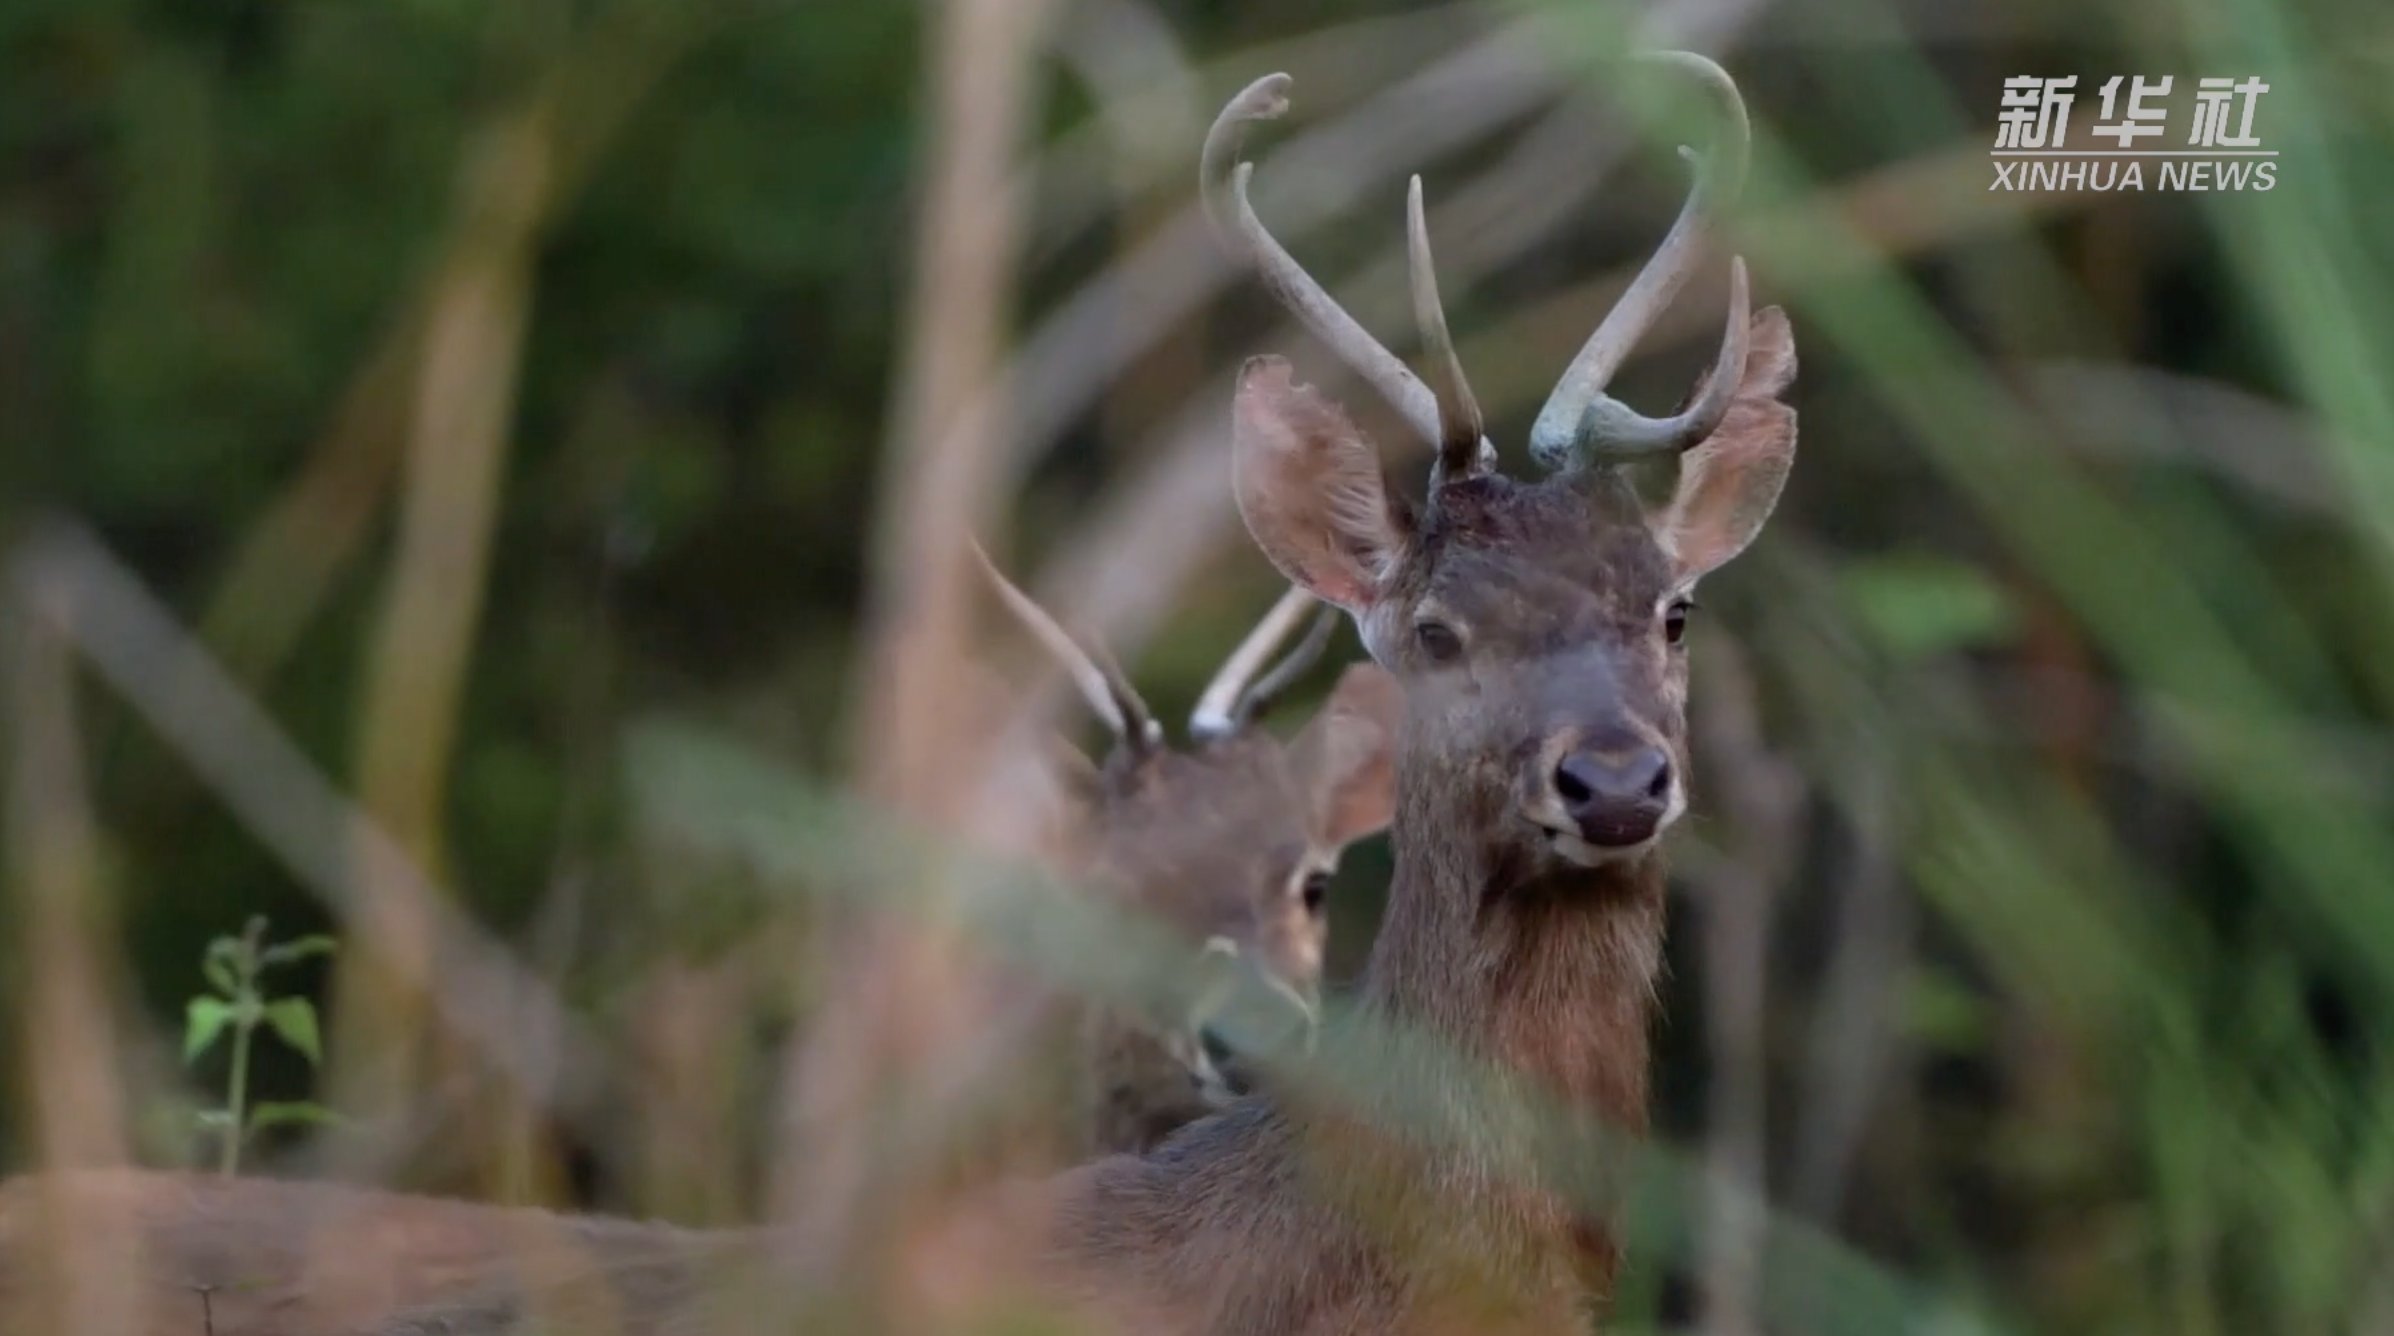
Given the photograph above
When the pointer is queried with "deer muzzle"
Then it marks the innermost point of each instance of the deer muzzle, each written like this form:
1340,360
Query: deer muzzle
1606,796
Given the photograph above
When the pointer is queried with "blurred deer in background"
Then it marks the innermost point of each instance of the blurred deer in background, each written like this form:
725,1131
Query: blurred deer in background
1535,629
1229,843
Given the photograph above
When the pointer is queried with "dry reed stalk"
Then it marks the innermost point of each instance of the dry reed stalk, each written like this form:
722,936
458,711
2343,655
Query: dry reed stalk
80,1251
291,558
904,1001
463,403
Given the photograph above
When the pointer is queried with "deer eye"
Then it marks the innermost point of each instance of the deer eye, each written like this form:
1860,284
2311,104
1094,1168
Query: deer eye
1316,891
1675,619
1438,641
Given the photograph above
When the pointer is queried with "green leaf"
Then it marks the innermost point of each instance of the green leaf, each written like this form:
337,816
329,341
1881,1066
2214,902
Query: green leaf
204,1018
291,1113
298,949
1921,606
214,1120
294,1018
218,966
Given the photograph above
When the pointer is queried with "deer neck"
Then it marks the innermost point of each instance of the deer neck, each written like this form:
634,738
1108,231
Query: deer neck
1288,1214
1548,976
1544,978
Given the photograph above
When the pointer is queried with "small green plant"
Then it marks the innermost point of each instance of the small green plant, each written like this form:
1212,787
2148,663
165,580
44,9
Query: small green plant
238,1002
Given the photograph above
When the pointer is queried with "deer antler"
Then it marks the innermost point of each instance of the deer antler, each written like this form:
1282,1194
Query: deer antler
1459,425
1580,423
1228,701
1223,178
1100,679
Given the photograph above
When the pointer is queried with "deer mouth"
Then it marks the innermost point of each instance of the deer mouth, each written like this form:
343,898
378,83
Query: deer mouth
1580,850
1596,843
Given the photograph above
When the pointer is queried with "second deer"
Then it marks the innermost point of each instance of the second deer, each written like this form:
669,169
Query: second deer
1229,843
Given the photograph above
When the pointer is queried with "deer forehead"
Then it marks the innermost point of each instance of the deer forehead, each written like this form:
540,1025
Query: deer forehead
1192,833
1564,554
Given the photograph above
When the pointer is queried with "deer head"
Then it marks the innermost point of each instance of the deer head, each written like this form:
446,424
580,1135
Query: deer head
1231,842
1535,624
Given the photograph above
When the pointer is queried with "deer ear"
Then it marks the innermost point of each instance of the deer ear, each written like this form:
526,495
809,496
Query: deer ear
1729,482
1308,485
1346,758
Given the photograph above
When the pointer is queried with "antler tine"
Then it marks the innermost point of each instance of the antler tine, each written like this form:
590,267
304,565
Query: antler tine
1579,423
1459,425
1094,672
1225,704
1140,732
1294,665
1223,180
1613,430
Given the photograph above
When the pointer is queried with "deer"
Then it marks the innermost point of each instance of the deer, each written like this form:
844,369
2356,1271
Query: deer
1230,842
1535,628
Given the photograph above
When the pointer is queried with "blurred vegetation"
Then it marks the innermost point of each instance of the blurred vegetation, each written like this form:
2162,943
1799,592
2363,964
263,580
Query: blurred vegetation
2075,623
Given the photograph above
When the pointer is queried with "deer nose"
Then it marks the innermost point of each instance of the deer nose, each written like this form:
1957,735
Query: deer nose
1616,798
